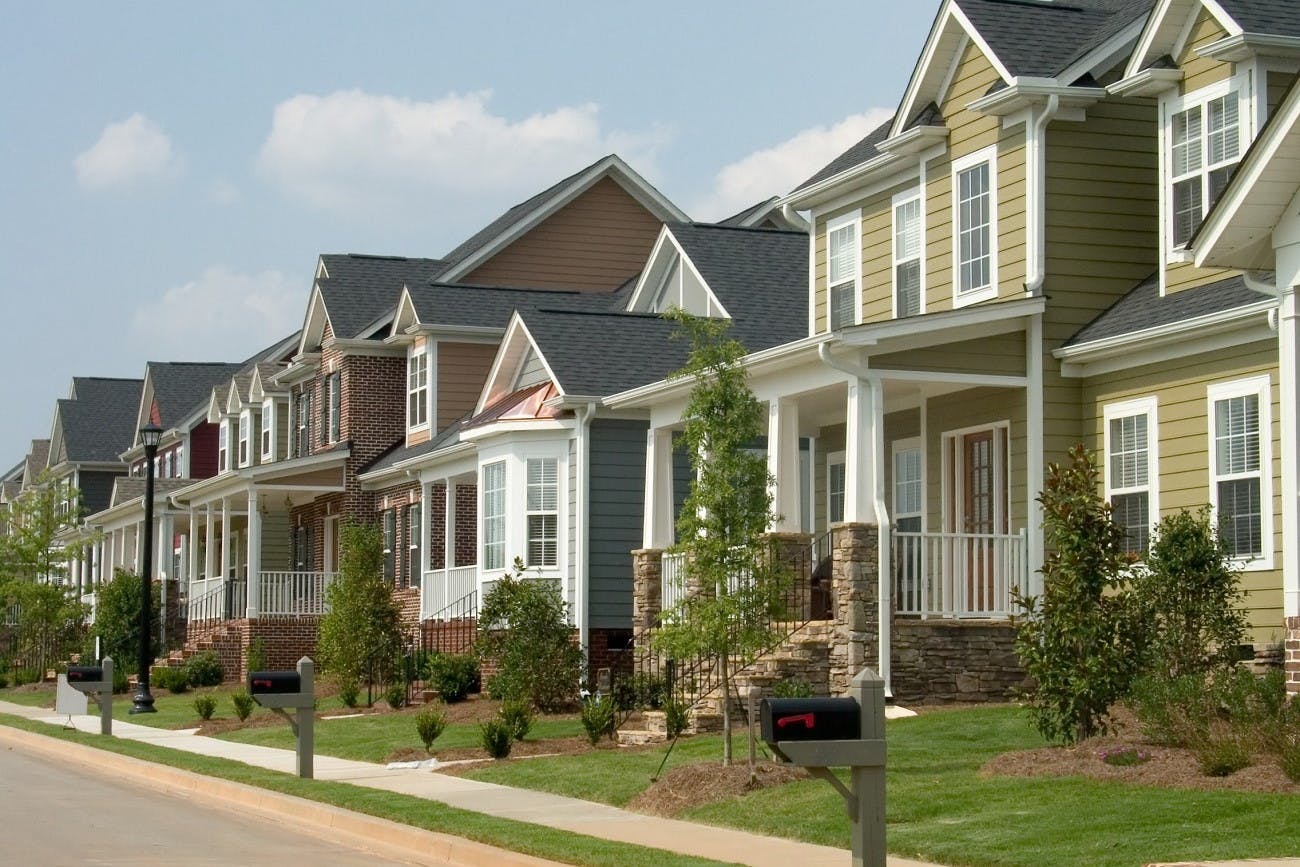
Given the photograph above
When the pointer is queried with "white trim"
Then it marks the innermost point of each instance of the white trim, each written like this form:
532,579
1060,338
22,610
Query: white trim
1261,386
907,444
1143,406
953,475
419,390
964,164
854,219
906,198
833,459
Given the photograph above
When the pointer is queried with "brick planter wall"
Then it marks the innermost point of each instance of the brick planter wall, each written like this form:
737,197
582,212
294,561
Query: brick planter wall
1292,648
408,602
285,640
946,661
607,648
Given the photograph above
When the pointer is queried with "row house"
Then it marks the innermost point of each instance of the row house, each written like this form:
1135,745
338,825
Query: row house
1002,270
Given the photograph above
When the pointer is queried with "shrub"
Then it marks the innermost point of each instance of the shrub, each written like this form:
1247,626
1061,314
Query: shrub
24,676
243,703
360,635
349,693
1221,752
204,669
430,722
120,684
395,695
1123,757
676,717
257,656
518,716
598,718
1172,711
641,690
174,680
453,676
204,706
4,681
497,738
526,632
117,619
1079,640
795,687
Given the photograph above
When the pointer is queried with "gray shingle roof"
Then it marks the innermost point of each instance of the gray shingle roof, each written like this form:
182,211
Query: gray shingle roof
864,151
361,290
740,218
179,385
459,304
604,353
1042,39
38,458
1280,17
399,452
127,488
1142,308
99,423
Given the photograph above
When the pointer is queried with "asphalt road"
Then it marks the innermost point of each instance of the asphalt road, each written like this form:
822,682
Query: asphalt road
55,815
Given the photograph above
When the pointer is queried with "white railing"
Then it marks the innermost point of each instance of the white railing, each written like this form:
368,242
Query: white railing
215,599
958,574
12,615
672,581
441,587
91,601
292,593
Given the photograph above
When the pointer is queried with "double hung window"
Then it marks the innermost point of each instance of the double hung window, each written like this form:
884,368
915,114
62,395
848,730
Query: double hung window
223,447
302,419
390,545
1204,146
907,254
494,515
835,487
842,254
413,545
1131,470
543,512
334,414
417,389
974,202
1240,479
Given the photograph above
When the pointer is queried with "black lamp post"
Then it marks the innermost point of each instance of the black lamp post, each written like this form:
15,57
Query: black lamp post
143,701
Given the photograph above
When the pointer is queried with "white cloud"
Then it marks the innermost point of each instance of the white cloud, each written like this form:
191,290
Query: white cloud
353,150
223,193
128,152
777,170
222,315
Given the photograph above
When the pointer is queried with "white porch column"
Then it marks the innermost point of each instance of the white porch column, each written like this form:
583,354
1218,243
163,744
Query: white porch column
658,517
860,442
1288,338
97,563
210,538
254,554
166,545
225,537
1034,449
783,464
112,553
193,552
449,524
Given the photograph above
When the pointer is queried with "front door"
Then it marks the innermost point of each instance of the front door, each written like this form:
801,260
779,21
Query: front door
978,499
332,543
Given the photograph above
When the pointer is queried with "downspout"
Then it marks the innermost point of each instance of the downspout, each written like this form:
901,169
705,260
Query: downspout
582,614
1036,177
885,592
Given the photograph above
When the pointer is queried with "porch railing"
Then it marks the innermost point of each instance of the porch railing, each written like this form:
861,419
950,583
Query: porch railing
958,574
292,593
215,599
441,588
12,615
672,581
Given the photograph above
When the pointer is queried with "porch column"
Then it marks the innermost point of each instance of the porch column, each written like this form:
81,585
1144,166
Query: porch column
166,545
449,524
97,563
426,530
1034,450
864,494
210,538
194,546
112,553
1286,242
783,464
658,526
225,537
254,554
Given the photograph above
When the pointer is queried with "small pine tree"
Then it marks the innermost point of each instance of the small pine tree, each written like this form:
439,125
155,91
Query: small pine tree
1079,641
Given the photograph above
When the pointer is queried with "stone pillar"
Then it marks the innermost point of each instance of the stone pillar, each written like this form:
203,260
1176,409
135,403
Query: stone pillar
647,588
1292,655
855,587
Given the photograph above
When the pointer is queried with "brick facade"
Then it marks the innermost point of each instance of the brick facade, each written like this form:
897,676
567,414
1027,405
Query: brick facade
285,640
1292,651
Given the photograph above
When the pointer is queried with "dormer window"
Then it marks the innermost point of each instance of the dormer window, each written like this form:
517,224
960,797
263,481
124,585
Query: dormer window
268,420
1204,145
907,253
243,439
843,253
417,389
223,447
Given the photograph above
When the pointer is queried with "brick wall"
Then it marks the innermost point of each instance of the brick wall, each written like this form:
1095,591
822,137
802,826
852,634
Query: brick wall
285,640
437,506
608,648
466,524
1292,650
408,601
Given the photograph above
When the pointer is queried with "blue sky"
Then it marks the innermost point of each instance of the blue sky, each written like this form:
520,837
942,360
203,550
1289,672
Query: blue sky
169,172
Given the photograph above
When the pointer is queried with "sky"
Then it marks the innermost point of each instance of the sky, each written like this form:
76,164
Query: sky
170,172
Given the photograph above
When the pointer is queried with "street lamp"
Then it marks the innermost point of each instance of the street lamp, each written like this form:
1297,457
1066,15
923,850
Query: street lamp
143,701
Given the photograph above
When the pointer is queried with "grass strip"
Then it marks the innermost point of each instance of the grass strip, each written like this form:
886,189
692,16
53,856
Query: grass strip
538,840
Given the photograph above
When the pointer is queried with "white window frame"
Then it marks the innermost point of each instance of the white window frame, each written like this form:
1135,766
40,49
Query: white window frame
223,445
182,469
835,459
910,444
333,407
266,437
245,431
953,470
854,219
1143,406
899,201
964,164
417,389
1174,104
497,563
531,512
1261,387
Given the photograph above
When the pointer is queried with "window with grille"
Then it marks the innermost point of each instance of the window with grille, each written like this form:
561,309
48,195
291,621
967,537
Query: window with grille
1239,482
973,208
842,253
1204,146
268,419
302,439
907,256
413,545
223,447
417,389
1131,470
335,413
543,517
390,545
243,439
907,488
494,515
835,488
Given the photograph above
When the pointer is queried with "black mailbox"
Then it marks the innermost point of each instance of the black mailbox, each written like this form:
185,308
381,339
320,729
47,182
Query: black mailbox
85,674
810,719
274,683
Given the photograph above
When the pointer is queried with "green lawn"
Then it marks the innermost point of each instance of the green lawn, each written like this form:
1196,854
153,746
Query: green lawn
562,846
940,808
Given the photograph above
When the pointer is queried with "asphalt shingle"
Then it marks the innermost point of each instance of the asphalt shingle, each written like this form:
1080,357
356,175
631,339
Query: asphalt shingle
1277,17
361,290
99,423
179,385
1143,308
1043,39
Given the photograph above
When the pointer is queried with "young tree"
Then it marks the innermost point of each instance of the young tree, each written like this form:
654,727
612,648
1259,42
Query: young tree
360,635
1079,642
117,620
724,517
525,632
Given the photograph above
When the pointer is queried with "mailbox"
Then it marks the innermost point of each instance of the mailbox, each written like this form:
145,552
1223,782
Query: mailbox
274,683
810,719
78,674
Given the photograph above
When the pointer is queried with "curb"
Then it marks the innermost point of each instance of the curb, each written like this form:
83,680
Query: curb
356,830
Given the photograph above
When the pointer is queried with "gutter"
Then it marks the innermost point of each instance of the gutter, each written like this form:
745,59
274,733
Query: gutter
582,591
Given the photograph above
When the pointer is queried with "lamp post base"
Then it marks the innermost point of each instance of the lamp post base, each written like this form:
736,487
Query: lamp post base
142,702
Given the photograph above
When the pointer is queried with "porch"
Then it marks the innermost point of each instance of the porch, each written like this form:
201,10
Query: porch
277,594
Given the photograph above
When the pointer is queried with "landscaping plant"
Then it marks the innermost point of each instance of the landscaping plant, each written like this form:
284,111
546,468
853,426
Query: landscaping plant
454,676
349,693
497,738
204,706
430,722
117,620
676,717
204,669
518,716
395,695
243,703
599,718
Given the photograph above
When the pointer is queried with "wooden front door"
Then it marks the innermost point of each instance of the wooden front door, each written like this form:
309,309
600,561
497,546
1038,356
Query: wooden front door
983,507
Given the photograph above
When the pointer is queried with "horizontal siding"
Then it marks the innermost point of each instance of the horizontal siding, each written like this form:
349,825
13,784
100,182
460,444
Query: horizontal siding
1001,355
976,407
1200,71
462,370
878,254
594,243
1183,443
616,516
1278,84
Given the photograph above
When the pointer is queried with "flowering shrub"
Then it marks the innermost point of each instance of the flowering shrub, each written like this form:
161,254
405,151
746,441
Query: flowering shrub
1123,757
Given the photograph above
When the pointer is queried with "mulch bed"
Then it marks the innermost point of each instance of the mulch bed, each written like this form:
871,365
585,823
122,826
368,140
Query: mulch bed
688,786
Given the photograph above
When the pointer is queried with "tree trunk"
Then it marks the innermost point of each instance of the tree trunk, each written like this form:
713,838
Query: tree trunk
726,708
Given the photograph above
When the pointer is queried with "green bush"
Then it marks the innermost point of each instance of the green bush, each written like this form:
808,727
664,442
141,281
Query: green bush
257,656
204,669
518,717
243,703
452,675
117,620
395,695
599,717
795,687
676,717
24,676
639,691
430,722
204,706
497,738
4,681
1221,752
120,684
349,693
174,680
1172,711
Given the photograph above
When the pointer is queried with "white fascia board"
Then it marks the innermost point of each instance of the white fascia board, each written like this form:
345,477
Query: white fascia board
212,488
1243,46
813,196
712,296
1105,56
654,260
914,141
406,316
303,367
403,470
1025,92
1155,39
321,270
313,324
515,332
216,408
458,333
872,333
498,428
364,346
1147,82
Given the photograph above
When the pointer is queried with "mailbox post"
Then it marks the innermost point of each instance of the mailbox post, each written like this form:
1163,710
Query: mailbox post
96,681
820,734
280,690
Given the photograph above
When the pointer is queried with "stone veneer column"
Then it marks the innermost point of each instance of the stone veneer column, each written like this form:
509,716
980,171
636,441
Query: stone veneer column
647,588
794,550
855,585
1292,655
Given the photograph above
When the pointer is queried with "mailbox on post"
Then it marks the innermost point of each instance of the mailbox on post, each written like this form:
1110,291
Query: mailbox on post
96,681
823,733
283,690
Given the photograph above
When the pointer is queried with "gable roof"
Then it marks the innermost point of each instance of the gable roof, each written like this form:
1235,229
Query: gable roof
862,151
498,234
459,304
176,386
1043,39
38,458
1277,17
127,488
358,291
98,424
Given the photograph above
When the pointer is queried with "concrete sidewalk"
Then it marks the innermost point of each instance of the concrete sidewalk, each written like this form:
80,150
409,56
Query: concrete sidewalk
555,811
